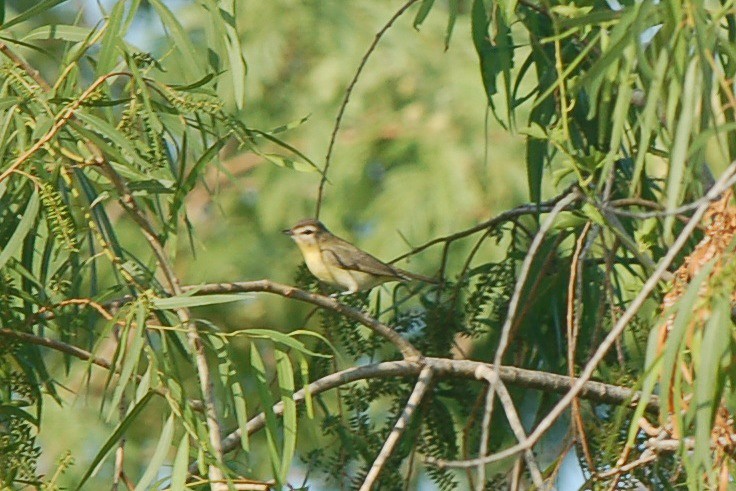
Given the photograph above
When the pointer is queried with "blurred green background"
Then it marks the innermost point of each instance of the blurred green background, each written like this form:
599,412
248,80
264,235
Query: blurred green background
417,157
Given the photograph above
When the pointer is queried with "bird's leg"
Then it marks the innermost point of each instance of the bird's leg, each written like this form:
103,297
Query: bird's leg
341,294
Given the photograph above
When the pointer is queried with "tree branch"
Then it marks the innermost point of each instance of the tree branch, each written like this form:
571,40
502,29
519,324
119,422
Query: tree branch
56,345
726,180
409,352
425,379
527,209
443,367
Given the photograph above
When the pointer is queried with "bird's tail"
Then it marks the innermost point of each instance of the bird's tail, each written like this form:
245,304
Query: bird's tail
413,276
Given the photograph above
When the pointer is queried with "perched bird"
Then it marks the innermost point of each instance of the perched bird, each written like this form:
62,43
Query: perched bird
339,263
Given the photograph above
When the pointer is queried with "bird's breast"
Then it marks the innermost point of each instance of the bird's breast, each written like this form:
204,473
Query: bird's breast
315,263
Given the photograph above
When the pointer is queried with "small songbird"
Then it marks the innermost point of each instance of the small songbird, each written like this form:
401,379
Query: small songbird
339,263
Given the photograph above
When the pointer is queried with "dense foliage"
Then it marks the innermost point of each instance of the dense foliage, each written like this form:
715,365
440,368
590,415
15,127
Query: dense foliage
136,176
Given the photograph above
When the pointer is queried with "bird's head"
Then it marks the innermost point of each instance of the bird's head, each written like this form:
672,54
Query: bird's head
307,232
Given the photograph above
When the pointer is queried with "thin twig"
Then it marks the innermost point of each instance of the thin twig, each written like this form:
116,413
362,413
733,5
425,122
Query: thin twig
574,312
527,209
646,457
345,100
423,382
518,287
713,194
512,417
56,345
485,435
23,65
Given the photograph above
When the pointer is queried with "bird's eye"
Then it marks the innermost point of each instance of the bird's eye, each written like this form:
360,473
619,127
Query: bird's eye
308,232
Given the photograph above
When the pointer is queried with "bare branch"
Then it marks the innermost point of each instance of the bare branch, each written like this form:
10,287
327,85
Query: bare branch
425,378
527,209
442,367
511,314
345,99
512,416
56,345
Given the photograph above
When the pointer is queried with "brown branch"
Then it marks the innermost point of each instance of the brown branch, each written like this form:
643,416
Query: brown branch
526,209
574,313
23,65
56,345
80,354
409,352
443,367
345,99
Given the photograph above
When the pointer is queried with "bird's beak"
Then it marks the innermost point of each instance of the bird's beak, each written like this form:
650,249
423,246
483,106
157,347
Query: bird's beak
287,231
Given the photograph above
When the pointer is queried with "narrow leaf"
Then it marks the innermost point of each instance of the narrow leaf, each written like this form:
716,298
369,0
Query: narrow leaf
24,227
115,437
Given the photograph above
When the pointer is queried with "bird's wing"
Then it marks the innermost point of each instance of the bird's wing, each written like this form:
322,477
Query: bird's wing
344,255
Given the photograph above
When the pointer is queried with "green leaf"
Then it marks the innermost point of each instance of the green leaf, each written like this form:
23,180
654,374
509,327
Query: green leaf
241,410
108,131
180,39
186,301
259,372
676,177
304,371
194,85
108,51
25,225
480,21
650,115
65,33
286,339
285,374
132,356
451,18
422,13
236,61
180,471
508,7
37,9
709,375
114,438
157,460
289,163
282,144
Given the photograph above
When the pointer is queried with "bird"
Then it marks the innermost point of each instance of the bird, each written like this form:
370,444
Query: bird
340,264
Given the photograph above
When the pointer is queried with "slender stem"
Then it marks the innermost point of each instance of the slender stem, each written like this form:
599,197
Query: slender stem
61,120
56,345
525,269
346,98
512,416
527,209
425,378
